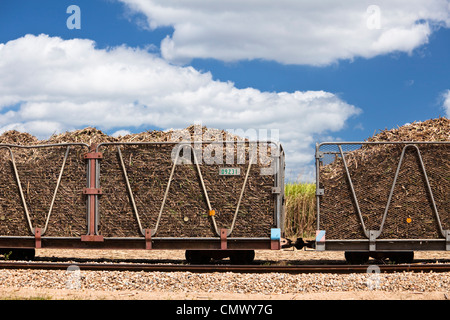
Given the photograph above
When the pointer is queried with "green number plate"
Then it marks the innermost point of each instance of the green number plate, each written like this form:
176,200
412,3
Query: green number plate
229,171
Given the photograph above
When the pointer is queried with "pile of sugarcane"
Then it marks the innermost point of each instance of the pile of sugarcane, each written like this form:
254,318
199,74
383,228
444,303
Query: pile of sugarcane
147,168
372,168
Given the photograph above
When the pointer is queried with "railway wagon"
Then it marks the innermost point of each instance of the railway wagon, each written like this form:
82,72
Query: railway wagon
213,199
383,199
218,199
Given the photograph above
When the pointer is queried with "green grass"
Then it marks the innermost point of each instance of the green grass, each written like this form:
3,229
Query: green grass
300,210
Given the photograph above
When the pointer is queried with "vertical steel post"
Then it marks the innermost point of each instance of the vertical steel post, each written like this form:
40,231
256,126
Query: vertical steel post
92,193
223,239
37,238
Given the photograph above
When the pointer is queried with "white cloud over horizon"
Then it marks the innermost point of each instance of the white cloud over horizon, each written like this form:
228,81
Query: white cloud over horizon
446,103
50,85
290,31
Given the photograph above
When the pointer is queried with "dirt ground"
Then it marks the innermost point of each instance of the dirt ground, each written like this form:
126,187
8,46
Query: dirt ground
281,256
65,294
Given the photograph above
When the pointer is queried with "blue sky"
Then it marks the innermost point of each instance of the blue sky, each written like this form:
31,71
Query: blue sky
351,81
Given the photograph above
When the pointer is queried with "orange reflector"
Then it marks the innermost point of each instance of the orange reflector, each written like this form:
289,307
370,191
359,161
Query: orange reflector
212,212
408,220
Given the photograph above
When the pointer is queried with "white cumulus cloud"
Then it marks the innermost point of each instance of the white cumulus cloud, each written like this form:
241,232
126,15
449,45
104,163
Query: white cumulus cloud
292,31
50,85
446,103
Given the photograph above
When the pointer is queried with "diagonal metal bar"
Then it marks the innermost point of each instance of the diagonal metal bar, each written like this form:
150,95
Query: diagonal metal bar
130,192
355,198
170,180
19,184
177,153
180,145
56,190
412,144
427,183
240,197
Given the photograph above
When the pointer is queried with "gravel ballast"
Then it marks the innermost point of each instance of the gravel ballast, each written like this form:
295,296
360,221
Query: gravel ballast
62,284
187,282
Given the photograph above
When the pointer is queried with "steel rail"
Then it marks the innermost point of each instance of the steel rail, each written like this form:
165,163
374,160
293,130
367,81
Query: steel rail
291,269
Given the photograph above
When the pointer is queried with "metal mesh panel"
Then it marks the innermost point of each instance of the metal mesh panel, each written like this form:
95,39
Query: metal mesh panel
30,195
363,196
45,187
185,211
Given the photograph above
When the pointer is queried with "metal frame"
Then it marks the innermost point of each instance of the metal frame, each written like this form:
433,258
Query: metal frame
138,243
92,190
154,230
16,174
372,243
278,189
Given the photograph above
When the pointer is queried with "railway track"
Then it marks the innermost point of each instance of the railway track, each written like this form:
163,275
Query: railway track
257,268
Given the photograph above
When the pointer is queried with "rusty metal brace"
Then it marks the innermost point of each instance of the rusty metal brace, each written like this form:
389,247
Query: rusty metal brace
37,238
148,239
223,239
275,239
93,155
92,192
275,245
